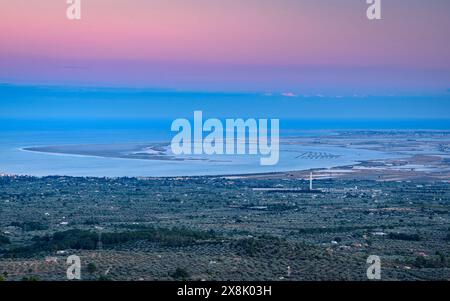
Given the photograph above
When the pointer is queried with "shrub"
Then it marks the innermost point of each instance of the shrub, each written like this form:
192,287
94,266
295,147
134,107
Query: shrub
447,238
4,240
30,278
30,226
91,268
404,236
180,273
87,240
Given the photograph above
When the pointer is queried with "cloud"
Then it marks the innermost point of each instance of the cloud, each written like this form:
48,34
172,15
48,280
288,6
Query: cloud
289,94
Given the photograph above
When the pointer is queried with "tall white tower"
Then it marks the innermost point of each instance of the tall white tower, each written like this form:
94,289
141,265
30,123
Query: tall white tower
310,181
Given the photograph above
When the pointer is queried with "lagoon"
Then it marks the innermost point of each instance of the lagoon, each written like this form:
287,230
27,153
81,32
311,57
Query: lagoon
15,160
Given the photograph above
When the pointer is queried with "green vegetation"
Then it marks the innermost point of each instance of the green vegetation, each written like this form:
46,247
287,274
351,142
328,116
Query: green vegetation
4,276
180,273
404,236
31,278
88,240
267,246
432,262
336,229
4,240
30,226
214,228
91,268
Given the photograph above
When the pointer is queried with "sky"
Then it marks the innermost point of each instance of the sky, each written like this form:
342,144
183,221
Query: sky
269,50
55,103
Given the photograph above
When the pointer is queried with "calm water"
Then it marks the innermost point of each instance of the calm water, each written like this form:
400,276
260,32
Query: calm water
16,136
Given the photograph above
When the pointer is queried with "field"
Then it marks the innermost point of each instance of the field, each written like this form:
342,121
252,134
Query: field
223,228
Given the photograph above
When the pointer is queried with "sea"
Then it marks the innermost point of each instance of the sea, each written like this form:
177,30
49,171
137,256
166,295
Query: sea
18,134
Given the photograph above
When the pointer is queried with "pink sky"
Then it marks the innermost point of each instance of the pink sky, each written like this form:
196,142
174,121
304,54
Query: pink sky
299,45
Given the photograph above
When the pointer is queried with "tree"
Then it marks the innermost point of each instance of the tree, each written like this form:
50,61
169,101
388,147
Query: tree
91,268
4,240
30,278
180,273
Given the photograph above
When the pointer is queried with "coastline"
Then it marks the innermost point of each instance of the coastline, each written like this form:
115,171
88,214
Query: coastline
339,172
378,155
233,166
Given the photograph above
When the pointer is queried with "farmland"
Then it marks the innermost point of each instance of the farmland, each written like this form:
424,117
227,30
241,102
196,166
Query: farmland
218,228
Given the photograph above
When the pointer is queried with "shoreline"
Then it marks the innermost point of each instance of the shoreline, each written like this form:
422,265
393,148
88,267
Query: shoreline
346,172
399,157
